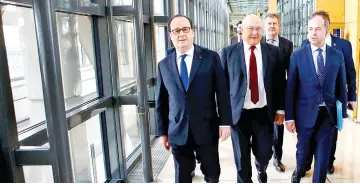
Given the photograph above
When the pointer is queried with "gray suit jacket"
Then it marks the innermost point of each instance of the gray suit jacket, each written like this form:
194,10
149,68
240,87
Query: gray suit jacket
234,39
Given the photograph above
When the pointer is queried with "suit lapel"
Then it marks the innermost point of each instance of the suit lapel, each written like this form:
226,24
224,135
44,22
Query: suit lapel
174,69
281,46
264,53
195,63
310,60
327,60
241,58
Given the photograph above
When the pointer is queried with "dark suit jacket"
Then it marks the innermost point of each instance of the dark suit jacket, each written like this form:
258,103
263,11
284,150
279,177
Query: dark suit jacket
345,47
233,61
234,39
179,112
303,88
285,49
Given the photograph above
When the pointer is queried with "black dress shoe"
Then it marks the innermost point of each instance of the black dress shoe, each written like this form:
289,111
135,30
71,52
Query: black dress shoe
295,178
331,169
279,166
262,177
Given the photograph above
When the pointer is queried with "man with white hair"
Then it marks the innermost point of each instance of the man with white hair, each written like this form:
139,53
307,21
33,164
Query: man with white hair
256,81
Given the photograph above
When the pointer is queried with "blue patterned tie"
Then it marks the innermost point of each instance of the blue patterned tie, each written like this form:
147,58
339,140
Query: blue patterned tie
183,72
321,71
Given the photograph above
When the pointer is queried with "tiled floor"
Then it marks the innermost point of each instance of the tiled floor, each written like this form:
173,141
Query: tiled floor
347,164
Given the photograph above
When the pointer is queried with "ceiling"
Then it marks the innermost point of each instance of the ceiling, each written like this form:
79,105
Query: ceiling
248,6
240,8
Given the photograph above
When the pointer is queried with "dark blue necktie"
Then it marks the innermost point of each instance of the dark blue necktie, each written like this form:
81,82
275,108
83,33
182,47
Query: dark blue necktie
184,72
321,71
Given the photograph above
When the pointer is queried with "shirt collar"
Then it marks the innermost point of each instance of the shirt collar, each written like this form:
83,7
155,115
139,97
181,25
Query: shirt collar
247,46
276,38
313,48
328,40
190,52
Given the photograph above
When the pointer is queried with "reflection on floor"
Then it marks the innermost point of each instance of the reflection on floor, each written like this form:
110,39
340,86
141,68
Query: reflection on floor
347,163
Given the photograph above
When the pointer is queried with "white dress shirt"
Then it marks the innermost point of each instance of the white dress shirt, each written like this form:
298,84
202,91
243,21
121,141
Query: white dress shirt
188,59
328,40
248,104
276,41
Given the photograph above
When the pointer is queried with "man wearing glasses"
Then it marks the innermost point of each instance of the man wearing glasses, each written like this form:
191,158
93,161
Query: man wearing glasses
186,114
256,80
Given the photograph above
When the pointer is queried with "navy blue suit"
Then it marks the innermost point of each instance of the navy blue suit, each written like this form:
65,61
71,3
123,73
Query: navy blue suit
258,122
189,117
345,47
315,123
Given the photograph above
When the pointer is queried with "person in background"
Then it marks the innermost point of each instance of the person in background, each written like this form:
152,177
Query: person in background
272,29
237,38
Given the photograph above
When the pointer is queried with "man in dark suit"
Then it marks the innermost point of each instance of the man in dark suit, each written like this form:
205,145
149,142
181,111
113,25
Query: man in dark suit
316,80
345,47
186,113
256,80
237,38
272,28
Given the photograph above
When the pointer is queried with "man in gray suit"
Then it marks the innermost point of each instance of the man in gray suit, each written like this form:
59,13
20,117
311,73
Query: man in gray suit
237,38
256,81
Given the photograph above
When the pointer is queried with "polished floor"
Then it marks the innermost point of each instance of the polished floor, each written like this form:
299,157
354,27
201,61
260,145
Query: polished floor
347,163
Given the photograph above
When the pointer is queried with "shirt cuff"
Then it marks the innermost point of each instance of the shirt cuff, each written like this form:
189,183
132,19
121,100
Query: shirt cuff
280,112
289,121
226,126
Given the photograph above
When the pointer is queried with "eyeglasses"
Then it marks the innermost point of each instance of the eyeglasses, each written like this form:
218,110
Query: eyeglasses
184,30
251,29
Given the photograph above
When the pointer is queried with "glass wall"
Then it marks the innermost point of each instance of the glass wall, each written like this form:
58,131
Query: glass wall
295,15
98,59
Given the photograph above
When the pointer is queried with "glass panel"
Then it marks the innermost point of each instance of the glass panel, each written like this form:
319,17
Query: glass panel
158,7
39,174
131,128
77,58
160,43
24,68
122,2
176,6
126,52
87,153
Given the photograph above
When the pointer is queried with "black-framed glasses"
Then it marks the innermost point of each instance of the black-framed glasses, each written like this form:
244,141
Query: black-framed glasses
184,30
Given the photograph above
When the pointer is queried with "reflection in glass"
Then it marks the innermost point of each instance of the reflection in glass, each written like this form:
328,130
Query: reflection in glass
24,68
39,173
122,2
87,153
160,43
126,52
131,128
158,7
77,58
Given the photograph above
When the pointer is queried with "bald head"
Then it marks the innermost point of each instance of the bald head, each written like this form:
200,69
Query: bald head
252,28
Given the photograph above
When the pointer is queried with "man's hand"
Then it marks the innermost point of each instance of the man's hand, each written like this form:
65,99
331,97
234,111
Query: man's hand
224,133
279,119
353,105
290,126
165,142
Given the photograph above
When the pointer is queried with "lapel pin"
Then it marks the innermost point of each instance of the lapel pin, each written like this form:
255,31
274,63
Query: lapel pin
199,57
